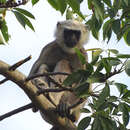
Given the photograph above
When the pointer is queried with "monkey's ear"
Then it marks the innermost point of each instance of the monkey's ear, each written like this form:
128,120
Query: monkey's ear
58,24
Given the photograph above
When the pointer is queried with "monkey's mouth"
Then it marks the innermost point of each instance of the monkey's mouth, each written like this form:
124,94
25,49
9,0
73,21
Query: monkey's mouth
70,43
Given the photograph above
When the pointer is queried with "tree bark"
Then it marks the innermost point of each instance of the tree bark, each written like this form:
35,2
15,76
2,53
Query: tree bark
41,102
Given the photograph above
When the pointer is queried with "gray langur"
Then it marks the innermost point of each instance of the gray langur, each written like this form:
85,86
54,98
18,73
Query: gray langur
70,34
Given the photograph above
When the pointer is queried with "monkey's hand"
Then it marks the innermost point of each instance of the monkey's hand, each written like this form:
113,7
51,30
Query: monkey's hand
64,111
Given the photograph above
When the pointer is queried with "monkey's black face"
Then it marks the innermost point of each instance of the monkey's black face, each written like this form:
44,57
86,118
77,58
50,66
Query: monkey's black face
71,37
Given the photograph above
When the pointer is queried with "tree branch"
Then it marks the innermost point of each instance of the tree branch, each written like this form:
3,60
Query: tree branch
12,4
46,74
23,108
15,66
41,102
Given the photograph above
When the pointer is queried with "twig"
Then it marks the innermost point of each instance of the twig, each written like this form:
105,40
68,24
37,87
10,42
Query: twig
23,108
46,74
42,91
4,80
15,66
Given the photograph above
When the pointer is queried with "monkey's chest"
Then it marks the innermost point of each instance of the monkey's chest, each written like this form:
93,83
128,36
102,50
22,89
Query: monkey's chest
56,57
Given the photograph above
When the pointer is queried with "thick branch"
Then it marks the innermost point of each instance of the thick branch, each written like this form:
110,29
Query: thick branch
41,102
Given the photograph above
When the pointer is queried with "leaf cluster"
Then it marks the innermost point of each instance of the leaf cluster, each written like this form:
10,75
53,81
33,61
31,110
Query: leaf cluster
110,16
22,17
105,110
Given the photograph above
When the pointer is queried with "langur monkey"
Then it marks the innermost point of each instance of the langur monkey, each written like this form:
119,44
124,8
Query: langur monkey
69,34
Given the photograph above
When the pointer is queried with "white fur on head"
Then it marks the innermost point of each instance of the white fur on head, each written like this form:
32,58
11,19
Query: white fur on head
73,25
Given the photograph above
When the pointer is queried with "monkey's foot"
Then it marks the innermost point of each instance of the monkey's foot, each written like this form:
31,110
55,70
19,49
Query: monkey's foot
64,111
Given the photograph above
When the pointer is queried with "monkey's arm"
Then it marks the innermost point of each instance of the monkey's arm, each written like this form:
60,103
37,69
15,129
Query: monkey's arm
41,60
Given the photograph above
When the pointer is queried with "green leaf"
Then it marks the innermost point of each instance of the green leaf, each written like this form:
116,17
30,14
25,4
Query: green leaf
127,38
103,95
107,29
99,67
53,3
4,30
116,26
95,56
82,90
34,2
25,12
89,68
106,65
96,78
108,2
27,22
61,5
90,4
123,108
23,20
84,123
85,110
69,14
20,18
74,4
123,55
81,56
113,61
2,1
114,51
75,77
112,99
126,2
99,9
127,67
126,94
121,87
1,40
96,125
